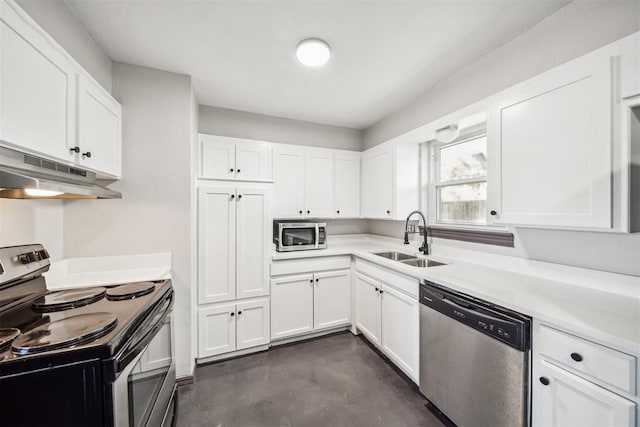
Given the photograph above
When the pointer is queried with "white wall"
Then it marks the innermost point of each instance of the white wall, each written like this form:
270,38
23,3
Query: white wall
578,28
32,221
62,24
154,214
240,124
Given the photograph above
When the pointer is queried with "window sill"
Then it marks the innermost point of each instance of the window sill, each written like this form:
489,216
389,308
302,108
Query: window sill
484,236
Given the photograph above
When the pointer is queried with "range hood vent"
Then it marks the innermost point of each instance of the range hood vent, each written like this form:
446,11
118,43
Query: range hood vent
25,176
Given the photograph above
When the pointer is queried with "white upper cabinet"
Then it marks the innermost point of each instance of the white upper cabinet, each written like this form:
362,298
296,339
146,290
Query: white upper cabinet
48,104
99,129
234,229
309,182
216,244
318,183
550,144
346,184
390,181
288,177
37,89
222,157
253,242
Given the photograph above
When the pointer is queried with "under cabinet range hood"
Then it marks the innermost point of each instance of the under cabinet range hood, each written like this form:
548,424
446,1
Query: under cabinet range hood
25,176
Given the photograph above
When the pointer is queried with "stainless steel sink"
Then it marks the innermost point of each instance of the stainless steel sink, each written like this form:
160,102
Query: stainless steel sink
395,256
419,262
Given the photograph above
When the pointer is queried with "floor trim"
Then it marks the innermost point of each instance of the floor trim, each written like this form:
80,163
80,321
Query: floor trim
184,380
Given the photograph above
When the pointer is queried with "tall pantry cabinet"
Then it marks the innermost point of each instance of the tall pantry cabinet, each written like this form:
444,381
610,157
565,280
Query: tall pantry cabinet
234,235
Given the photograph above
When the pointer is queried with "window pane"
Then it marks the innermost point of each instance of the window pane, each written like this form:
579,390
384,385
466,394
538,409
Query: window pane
464,160
463,203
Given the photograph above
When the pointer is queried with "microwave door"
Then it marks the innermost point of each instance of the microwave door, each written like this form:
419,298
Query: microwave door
299,237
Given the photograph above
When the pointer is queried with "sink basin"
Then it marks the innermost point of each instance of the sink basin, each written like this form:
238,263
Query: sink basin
395,256
421,263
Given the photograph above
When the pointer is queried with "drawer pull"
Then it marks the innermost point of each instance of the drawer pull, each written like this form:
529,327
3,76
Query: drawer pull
576,357
544,380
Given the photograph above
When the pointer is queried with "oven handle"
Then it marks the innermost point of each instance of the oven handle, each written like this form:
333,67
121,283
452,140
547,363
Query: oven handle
148,329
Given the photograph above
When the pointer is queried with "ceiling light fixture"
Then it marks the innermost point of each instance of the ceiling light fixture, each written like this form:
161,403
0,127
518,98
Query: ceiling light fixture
313,52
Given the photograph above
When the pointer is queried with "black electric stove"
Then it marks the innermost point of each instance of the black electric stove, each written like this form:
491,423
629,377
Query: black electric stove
66,349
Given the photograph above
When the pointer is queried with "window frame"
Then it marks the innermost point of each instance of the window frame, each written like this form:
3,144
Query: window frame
435,184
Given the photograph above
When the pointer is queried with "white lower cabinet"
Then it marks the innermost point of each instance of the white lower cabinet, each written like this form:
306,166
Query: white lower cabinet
368,307
228,327
305,303
564,399
291,305
390,320
578,382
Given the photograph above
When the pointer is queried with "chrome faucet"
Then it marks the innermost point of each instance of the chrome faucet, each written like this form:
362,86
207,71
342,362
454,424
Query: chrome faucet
425,246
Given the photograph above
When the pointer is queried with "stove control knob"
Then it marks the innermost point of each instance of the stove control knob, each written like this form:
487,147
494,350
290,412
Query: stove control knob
43,254
24,258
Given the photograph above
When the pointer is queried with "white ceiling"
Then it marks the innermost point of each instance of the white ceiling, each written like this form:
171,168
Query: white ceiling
241,54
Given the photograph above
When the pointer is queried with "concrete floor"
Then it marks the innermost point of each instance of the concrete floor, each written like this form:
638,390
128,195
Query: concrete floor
337,380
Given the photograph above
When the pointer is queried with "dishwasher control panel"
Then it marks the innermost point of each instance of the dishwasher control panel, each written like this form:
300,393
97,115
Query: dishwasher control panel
502,324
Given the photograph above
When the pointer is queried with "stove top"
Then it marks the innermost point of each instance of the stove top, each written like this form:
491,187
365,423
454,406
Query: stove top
64,325
65,300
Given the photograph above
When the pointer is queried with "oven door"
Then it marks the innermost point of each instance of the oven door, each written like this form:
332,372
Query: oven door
298,236
145,385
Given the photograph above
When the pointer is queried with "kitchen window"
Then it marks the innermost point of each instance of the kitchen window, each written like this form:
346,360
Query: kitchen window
459,181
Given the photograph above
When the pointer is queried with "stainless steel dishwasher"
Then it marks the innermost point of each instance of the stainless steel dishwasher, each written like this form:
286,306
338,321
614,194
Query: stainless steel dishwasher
474,359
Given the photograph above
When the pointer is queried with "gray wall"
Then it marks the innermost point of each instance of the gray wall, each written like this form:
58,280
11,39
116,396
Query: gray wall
154,214
578,28
62,24
240,124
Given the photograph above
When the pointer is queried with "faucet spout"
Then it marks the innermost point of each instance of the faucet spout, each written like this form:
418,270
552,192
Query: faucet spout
425,246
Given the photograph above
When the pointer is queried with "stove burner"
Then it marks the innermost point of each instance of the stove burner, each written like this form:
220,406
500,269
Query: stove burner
64,300
74,330
130,291
7,335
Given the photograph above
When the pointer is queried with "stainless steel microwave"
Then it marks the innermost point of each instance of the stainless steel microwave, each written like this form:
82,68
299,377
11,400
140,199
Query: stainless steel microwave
299,235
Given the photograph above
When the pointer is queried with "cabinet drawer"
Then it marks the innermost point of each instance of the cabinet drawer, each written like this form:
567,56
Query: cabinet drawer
310,265
406,284
590,359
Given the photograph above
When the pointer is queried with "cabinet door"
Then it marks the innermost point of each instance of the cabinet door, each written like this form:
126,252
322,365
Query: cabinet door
368,307
568,400
630,67
99,129
346,185
288,177
216,244
332,299
216,330
318,183
253,160
377,182
158,353
252,324
217,157
37,88
400,330
291,306
253,242
549,149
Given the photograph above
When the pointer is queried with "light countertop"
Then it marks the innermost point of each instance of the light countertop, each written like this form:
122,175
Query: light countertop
109,270
611,318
